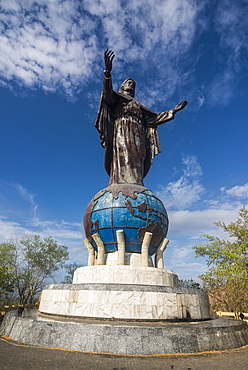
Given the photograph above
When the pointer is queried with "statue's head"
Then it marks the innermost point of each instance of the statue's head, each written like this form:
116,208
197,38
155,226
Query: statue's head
128,87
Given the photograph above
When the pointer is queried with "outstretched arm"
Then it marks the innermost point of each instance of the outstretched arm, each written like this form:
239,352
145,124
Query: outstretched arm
163,117
107,82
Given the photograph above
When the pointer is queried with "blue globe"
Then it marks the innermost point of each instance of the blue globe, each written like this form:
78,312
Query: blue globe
131,208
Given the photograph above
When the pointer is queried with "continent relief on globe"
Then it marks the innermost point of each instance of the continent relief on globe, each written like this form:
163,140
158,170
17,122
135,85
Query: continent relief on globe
131,208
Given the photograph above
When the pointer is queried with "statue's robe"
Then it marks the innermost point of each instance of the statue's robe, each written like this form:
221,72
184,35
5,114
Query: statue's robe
128,132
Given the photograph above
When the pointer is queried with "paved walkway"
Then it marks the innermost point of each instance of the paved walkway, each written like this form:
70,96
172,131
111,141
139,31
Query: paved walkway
19,356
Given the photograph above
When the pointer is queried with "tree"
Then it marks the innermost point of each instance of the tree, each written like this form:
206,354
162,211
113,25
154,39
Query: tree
7,258
227,277
188,283
32,262
70,269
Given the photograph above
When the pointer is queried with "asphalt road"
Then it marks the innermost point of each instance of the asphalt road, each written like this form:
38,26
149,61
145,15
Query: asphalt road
19,356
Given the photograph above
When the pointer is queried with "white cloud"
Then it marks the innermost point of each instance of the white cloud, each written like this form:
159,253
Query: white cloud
237,191
65,233
28,197
135,26
182,193
187,189
42,44
58,229
18,218
192,224
180,196
186,229
192,167
58,44
230,23
229,16
180,253
221,88
9,229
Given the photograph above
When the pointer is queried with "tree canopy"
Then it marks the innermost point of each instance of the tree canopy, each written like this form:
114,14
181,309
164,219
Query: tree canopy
227,277
70,269
189,283
25,267
7,258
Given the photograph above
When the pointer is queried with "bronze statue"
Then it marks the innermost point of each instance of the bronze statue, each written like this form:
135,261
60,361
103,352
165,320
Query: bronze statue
128,130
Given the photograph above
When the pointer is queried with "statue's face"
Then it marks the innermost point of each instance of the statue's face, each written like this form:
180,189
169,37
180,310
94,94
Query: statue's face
129,87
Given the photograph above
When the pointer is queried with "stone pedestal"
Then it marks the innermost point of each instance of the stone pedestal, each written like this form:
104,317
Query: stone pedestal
123,309
125,338
124,293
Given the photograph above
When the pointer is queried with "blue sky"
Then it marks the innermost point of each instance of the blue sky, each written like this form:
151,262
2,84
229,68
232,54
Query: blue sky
51,67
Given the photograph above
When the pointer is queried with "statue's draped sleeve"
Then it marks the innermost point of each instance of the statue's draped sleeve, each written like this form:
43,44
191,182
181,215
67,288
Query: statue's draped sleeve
105,121
152,120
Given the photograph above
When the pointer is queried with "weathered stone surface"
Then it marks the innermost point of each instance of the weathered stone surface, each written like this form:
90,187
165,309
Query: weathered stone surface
124,301
125,275
124,292
126,338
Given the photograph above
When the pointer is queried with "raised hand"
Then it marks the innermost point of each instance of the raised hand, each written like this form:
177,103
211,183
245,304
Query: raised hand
108,58
180,106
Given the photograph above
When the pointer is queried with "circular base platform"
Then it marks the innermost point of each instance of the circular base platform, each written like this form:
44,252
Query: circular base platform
124,302
129,338
124,292
114,274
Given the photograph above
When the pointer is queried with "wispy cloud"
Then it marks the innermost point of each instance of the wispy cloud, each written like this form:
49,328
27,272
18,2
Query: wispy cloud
57,45
192,213
10,229
237,191
46,44
16,202
59,229
187,189
193,223
18,218
230,23
28,197
186,229
135,26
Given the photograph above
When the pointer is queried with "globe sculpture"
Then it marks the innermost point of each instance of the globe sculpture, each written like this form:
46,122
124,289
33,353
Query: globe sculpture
132,208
